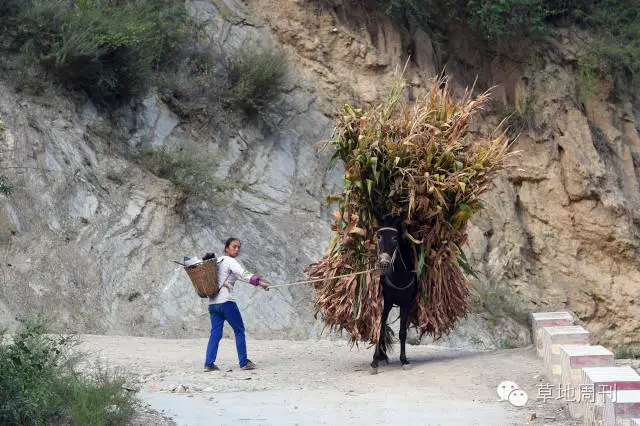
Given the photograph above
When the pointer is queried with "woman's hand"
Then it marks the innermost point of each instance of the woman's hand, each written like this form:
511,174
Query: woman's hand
264,285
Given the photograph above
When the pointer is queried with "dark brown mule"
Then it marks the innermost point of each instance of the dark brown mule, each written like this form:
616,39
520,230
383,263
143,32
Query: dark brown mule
399,285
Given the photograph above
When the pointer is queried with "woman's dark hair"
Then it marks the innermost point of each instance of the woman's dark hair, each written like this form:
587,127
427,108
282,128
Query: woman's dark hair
229,241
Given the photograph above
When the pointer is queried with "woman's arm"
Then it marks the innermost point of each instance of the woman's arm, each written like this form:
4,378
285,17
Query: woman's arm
245,275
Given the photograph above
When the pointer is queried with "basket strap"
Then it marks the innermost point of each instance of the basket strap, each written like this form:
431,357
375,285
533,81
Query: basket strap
224,283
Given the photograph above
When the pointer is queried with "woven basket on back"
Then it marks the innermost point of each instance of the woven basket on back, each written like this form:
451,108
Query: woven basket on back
204,277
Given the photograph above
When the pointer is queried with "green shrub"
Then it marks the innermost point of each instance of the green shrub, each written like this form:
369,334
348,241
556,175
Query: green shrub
588,72
613,51
496,19
40,383
100,400
428,14
106,48
255,76
616,53
190,83
502,18
202,80
9,9
28,370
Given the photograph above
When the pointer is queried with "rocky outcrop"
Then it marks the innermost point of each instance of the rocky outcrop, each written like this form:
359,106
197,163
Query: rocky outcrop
561,230
350,52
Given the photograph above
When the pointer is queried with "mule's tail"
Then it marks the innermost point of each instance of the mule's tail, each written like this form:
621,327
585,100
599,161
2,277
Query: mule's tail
386,344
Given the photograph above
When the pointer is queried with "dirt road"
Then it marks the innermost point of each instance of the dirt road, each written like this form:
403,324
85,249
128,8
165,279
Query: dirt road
323,382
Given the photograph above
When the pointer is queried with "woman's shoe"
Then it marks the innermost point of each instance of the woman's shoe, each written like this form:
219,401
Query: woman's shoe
248,366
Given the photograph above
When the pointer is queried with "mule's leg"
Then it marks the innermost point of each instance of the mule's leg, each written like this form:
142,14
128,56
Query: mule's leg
404,320
380,353
385,335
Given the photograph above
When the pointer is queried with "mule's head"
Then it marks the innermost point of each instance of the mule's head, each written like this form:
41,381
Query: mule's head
389,235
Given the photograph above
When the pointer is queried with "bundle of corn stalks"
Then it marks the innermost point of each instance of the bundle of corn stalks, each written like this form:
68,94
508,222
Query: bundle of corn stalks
421,163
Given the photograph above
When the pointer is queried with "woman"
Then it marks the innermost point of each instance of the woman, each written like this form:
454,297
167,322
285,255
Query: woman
223,306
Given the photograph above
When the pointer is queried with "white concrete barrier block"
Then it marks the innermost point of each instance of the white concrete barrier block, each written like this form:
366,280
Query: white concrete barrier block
547,319
620,406
572,360
553,338
600,382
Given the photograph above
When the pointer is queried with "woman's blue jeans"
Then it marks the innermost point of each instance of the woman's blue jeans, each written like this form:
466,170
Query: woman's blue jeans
219,313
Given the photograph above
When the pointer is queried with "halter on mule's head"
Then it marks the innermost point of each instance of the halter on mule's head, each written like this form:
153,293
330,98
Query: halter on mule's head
389,244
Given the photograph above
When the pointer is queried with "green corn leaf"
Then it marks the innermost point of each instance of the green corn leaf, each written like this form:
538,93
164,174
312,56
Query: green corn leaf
462,261
374,167
333,160
369,186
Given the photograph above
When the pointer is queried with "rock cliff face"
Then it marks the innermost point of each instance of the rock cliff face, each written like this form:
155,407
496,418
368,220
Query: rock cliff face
87,235
561,227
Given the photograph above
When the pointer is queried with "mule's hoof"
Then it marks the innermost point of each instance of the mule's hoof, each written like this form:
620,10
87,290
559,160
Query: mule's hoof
406,366
373,370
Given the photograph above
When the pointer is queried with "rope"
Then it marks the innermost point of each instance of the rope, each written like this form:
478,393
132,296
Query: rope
305,282
319,279
302,282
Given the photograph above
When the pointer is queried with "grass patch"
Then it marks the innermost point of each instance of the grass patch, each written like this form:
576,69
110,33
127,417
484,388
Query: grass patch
626,352
521,118
477,342
498,304
41,384
616,53
6,187
190,171
587,77
202,81
190,84
507,344
192,80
